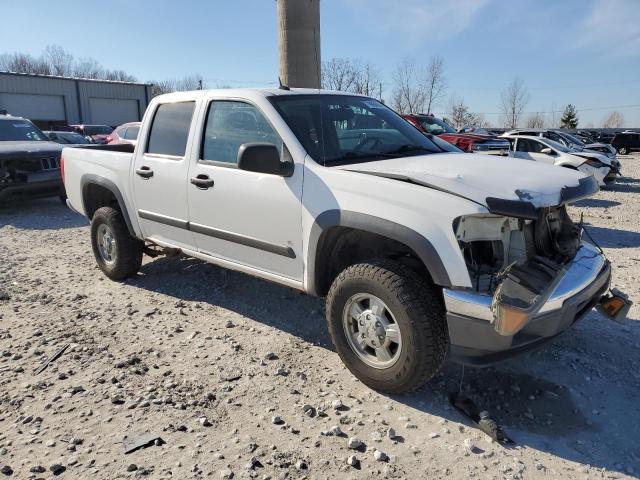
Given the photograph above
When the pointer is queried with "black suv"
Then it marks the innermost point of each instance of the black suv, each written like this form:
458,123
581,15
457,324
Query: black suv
626,142
29,161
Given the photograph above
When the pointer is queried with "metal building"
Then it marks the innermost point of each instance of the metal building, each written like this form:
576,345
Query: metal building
49,100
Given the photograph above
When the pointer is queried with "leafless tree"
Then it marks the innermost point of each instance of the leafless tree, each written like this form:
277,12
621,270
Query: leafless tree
459,116
189,82
368,81
88,68
535,120
408,91
59,60
340,74
436,83
614,120
23,63
55,60
514,100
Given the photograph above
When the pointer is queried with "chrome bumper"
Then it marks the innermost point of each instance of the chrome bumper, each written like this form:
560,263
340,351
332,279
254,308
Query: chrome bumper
469,313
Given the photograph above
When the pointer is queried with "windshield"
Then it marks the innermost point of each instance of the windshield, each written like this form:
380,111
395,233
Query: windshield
97,130
557,145
71,138
20,131
435,125
338,129
572,140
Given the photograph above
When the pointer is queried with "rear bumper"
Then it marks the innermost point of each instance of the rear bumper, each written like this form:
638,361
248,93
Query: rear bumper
474,341
16,191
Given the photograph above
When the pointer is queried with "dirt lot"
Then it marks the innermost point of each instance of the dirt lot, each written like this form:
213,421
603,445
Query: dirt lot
206,359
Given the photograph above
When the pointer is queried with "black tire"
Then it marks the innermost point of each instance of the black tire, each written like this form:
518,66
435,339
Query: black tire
623,150
127,250
418,311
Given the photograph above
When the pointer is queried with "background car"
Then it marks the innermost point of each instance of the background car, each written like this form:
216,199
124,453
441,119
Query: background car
67,138
626,142
29,161
567,139
126,133
467,142
541,149
97,133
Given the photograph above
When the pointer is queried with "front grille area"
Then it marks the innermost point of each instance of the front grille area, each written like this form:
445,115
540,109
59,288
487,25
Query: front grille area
50,163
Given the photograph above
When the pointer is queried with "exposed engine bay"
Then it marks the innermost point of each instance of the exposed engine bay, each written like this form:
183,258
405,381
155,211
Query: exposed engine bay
518,261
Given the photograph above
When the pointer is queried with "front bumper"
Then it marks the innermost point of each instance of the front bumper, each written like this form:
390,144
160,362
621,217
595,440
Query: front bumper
473,339
15,191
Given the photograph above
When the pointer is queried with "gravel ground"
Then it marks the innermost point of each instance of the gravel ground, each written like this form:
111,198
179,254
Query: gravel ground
238,378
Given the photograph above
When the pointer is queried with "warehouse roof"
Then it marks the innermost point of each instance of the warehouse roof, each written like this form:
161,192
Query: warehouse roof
73,78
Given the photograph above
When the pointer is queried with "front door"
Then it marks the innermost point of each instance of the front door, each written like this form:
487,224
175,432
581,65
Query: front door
248,218
160,175
530,149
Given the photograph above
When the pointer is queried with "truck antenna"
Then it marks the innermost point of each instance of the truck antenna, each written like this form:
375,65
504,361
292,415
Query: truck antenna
281,86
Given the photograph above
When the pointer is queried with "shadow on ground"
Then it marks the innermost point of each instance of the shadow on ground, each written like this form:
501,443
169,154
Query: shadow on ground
595,203
614,238
40,214
537,412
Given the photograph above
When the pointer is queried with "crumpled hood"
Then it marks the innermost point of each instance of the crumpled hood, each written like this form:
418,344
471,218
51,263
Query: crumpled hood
477,177
591,154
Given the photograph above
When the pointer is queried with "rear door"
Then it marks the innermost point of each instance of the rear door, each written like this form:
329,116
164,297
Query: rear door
247,218
160,174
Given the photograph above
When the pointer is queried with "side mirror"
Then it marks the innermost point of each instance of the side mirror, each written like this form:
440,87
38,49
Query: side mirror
547,151
263,158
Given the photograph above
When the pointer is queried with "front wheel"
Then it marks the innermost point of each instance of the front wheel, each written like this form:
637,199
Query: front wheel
118,254
388,326
623,150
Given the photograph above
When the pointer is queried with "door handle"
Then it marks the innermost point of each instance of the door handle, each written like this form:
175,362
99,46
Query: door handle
144,172
202,182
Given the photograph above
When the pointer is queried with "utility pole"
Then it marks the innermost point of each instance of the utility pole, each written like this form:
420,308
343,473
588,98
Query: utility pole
299,42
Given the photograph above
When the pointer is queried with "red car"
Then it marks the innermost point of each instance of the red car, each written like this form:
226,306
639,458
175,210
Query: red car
126,133
96,133
467,142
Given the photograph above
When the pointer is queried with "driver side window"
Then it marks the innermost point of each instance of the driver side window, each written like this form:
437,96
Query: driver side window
230,124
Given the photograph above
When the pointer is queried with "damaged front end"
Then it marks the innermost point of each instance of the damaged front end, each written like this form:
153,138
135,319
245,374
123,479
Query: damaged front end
531,276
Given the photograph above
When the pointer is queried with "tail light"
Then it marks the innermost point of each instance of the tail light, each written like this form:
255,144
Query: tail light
62,168
109,139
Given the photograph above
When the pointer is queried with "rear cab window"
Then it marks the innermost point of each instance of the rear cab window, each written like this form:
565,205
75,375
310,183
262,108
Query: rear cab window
170,127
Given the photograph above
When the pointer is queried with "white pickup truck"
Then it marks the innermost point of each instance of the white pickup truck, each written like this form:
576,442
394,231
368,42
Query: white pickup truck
422,253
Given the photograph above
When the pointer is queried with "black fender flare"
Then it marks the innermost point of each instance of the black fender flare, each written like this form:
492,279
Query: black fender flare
381,226
91,179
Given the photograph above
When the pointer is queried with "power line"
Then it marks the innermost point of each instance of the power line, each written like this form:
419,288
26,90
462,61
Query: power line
619,107
556,87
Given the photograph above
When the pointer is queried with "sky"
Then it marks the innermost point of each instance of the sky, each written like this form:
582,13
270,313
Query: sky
584,52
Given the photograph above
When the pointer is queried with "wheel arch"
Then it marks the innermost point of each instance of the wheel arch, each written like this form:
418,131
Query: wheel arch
100,192
329,228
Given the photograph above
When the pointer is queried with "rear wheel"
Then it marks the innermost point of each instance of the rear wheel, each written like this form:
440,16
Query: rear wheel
388,325
623,150
118,254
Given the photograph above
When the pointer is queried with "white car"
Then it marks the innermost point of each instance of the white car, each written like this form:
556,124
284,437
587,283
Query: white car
422,253
544,150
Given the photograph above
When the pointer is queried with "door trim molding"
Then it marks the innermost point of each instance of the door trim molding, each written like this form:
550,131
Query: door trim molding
165,219
284,251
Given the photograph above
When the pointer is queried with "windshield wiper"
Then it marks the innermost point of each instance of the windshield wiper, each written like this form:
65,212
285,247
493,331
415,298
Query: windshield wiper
409,148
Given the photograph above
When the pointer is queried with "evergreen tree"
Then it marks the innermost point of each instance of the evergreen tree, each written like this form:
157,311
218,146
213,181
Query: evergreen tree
569,117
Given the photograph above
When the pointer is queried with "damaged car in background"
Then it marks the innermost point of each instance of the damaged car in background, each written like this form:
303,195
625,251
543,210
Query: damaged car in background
29,161
603,168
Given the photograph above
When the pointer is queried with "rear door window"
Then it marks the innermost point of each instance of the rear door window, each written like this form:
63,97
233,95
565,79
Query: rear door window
170,129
